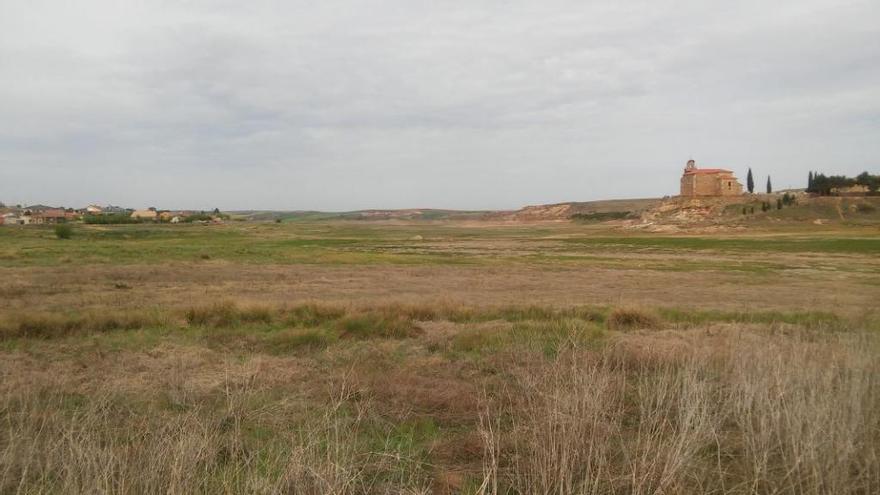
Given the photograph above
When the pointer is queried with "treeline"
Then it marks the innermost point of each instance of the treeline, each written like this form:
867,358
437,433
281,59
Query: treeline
125,218
115,219
824,184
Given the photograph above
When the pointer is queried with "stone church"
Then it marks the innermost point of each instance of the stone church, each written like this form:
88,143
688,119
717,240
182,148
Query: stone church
708,182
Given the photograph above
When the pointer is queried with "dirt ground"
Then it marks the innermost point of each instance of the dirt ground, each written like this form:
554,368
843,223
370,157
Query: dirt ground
184,284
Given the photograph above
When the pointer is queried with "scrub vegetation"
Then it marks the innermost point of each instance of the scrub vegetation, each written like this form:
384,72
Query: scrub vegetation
476,360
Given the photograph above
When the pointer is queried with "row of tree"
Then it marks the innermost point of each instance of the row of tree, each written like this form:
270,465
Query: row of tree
825,184
750,183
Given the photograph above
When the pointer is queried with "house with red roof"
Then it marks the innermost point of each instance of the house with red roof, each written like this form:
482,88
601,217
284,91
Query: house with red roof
52,215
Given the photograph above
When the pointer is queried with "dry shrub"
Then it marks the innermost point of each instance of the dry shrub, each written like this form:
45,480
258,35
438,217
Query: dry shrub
435,392
563,427
228,314
217,314
807,414
759,413
632,318
56,325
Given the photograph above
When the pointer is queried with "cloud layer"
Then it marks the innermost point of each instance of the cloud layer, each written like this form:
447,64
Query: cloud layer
488,104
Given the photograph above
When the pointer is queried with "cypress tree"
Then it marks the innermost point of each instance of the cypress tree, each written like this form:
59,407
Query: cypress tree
769,186
750,183
810,182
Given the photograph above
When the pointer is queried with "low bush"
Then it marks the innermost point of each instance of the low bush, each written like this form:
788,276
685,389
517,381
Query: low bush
217,314
55,325
228,314
632,318
63,231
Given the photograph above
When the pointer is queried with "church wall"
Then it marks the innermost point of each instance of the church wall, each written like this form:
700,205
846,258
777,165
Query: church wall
710,185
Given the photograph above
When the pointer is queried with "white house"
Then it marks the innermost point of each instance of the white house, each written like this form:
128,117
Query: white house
13,219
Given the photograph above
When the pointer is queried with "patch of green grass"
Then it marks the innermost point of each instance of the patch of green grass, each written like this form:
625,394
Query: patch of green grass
844,245
809,319
547,337
293,340
376,325
355,243
524,313
56,325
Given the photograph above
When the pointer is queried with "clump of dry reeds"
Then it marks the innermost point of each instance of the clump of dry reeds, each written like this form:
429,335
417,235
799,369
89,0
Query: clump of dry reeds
632,318
769,413
54,325
569,408
226,314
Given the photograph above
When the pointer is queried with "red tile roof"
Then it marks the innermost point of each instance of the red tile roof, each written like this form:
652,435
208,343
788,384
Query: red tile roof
707,171
53,213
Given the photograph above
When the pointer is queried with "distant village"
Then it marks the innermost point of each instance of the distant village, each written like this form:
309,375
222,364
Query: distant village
94,214
696,182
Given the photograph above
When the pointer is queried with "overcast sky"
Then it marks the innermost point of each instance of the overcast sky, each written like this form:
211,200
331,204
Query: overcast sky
339,105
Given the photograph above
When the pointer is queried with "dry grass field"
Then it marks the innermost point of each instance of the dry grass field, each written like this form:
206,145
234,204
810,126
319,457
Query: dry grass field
439,357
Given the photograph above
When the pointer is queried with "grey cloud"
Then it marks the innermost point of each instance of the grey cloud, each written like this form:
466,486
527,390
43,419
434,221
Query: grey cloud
344,104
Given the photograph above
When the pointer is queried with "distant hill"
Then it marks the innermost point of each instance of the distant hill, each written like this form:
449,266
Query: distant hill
560,211
643,213
756,210
604,209
413,214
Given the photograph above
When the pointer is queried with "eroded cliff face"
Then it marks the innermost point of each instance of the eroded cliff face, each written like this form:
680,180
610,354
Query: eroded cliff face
565,211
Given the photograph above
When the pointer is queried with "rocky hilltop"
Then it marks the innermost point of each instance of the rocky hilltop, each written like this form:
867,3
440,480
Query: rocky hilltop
570,210
709,213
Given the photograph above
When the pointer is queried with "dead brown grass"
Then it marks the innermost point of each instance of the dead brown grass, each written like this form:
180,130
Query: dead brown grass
48,325
754,413
632,318
325,398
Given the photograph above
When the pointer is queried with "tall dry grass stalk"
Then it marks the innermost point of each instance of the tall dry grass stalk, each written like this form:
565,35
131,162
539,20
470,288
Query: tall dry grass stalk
51,443
750,413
